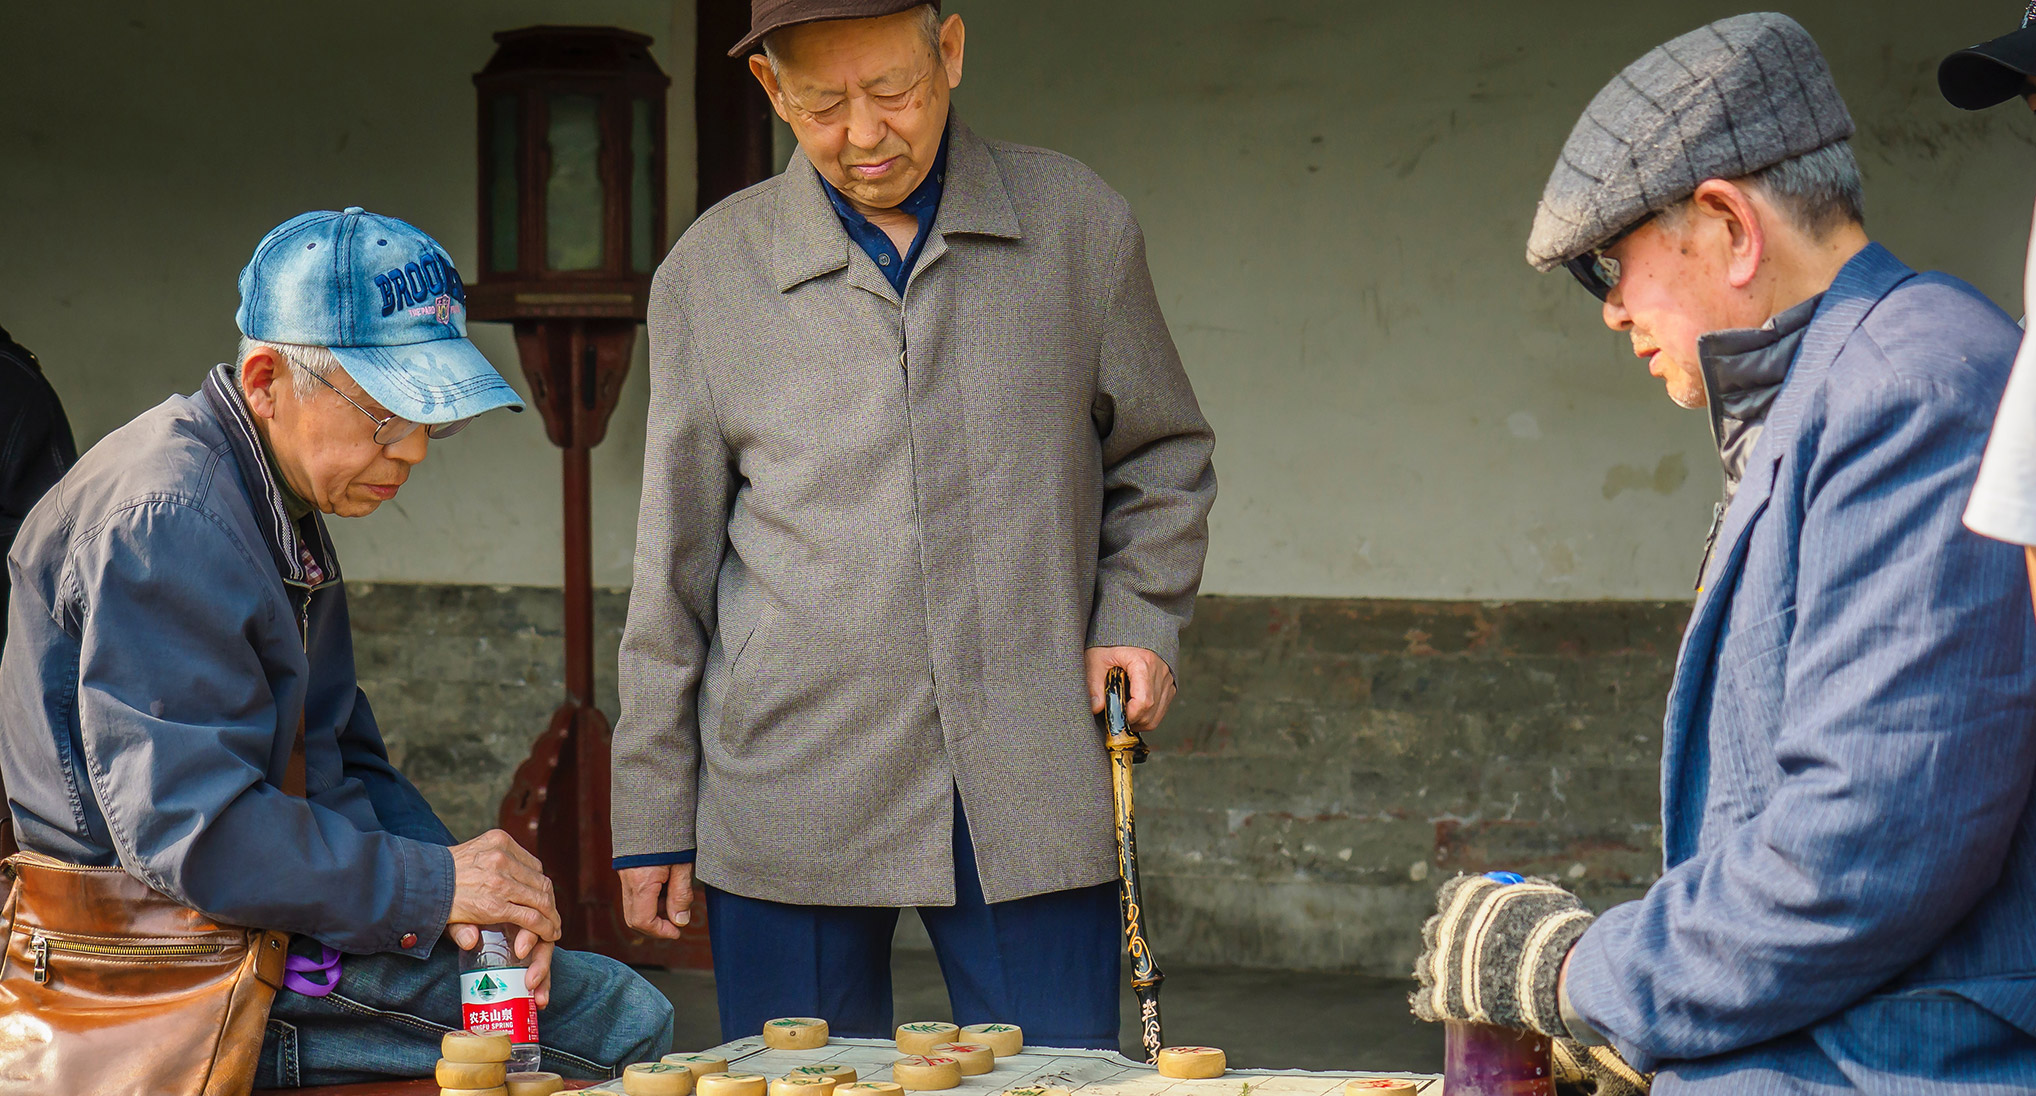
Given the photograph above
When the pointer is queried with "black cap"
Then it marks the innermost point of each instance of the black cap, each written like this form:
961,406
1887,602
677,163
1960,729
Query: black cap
766,16
1991,72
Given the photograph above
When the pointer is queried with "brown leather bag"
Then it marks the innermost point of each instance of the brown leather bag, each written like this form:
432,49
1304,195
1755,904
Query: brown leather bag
109,987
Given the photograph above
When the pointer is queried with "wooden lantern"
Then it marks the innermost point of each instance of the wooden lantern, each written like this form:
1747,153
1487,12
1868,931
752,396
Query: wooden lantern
572,226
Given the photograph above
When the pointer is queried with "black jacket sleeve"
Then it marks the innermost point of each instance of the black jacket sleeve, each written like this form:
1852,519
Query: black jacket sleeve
35,446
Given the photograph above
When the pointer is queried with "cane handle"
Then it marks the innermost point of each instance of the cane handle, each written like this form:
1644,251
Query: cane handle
1116,695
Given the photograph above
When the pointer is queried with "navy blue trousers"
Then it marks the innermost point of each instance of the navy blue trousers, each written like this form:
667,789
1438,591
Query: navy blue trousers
1049,963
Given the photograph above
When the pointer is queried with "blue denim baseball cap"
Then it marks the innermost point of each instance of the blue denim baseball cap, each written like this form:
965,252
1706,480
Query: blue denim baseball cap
385,299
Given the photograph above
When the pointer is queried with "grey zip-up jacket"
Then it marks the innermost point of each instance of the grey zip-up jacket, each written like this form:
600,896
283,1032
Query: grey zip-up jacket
153,679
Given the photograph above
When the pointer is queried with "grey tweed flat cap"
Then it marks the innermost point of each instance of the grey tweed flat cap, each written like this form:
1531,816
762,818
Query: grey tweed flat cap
1720,102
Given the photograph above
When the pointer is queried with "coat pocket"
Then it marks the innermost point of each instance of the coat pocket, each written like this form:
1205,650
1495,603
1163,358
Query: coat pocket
738,665
1752,687
1759,642
742,646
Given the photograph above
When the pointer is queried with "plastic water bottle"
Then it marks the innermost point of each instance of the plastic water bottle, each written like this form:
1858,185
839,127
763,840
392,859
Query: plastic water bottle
495,996
1484,1060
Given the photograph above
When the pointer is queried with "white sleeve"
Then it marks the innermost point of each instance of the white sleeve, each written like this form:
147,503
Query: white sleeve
2003,504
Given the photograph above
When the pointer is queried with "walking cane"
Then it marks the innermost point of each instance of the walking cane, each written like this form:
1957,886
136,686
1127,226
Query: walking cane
1127,749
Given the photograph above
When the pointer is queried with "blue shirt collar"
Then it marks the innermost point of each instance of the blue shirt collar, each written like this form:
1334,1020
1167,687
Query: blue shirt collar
923,204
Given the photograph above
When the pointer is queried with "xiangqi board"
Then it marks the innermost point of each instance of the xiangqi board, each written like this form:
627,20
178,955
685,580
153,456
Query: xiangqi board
1080,1072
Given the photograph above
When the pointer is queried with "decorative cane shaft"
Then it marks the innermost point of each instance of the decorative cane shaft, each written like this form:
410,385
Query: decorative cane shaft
1127,749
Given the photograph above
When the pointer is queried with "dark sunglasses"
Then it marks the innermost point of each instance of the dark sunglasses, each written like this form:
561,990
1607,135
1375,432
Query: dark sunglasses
1598,271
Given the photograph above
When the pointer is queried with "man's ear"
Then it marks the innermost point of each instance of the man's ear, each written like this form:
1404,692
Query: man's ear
1732,211
952,37
760,67
259,372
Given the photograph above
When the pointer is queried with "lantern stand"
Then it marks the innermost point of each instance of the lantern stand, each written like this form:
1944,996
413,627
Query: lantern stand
572,224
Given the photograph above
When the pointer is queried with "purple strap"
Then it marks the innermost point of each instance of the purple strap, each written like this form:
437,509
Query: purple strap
297,966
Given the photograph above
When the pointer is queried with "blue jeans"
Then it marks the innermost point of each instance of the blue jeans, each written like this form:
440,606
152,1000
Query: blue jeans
1049,963
390,1011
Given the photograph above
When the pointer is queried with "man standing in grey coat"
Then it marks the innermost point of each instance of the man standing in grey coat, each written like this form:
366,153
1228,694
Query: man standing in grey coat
922,466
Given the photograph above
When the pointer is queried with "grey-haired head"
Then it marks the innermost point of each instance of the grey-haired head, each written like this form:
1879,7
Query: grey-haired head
1721,102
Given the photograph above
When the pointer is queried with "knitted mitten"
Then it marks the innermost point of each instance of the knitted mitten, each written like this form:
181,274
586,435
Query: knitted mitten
1495,951
1596,1071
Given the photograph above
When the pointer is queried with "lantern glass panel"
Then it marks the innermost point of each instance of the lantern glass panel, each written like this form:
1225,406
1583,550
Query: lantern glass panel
505,152
642,147
572,196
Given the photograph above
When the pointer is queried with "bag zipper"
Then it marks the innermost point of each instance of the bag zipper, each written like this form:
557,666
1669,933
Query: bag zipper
42,944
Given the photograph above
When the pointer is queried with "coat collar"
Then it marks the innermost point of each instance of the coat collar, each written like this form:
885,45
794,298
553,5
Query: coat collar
303,554
1743,373
1861,284
807,239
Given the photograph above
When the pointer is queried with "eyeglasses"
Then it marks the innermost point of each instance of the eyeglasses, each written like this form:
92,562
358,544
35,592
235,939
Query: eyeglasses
390,430
1598,271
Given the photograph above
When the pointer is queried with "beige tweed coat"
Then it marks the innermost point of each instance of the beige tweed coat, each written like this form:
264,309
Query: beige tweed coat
877,534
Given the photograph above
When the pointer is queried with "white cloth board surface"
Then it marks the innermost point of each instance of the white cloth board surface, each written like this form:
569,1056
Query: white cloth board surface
1081,1072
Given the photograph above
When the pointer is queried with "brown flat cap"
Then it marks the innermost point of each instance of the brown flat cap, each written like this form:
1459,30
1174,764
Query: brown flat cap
766,16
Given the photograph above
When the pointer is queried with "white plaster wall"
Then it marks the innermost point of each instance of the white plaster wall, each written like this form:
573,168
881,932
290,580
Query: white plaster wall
1337,197
146,147
1336,193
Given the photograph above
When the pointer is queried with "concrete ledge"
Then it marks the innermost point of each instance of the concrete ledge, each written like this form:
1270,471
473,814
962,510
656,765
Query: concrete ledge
1328,762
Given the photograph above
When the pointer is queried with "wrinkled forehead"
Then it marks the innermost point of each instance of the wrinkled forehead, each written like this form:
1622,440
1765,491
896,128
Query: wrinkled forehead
841,55
343,383
1657,235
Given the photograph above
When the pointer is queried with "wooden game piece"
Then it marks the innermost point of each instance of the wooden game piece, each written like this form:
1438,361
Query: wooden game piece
1190,1063
466,1046
795,1033
733,1084
1004,1040
923,1036
974,1059
1379,1086
802,1085
453,1074
699,1064
657,1079
926,1073
535,1084
870,1088
498,1090
841,1074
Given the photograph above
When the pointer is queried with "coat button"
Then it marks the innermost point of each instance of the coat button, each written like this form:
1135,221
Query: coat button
409,940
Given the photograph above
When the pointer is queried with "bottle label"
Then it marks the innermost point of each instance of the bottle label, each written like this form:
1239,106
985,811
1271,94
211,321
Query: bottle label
498,1001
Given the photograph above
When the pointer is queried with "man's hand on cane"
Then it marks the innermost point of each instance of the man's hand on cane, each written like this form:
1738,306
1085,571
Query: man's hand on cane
658,900
1152,683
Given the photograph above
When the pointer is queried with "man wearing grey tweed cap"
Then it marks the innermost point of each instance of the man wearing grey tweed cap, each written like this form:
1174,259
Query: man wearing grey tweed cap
1849,749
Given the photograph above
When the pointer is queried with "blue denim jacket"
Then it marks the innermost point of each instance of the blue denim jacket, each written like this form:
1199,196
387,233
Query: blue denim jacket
153,678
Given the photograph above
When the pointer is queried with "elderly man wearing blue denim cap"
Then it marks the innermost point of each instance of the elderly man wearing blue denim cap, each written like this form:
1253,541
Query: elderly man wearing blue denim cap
179,655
